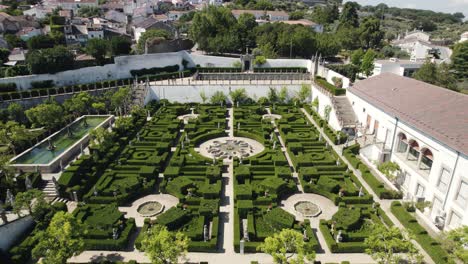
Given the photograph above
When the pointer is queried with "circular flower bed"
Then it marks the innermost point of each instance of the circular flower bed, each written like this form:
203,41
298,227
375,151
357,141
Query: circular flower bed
154,134
150,208
307,209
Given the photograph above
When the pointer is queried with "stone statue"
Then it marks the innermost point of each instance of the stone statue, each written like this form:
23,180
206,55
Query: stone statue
3,214
28,183
339,237
238,126
304,235
115,234
245,229
274,144
361,192
205,233
75,196
95,192
138,136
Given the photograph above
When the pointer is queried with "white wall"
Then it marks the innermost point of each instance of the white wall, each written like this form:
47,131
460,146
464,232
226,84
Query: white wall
444,157
324,100
328,74
213,61
191,93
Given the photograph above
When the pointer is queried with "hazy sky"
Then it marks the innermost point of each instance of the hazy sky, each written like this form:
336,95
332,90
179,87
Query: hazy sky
446,6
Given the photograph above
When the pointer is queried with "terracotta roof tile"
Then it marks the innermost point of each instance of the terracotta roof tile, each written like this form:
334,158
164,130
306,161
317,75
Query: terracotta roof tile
437,112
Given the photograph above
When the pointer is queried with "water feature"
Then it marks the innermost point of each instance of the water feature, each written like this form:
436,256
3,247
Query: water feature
150,208
307,209
60,142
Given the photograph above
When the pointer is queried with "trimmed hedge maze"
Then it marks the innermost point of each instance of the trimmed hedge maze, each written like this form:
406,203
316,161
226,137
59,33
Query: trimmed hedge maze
195,180
321,171
260,183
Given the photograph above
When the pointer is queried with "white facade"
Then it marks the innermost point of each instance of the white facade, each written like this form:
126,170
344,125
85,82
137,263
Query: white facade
464,37
399,67
431,171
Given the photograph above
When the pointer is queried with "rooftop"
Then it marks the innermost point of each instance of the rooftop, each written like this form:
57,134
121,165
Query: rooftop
304,22
259,12
437,112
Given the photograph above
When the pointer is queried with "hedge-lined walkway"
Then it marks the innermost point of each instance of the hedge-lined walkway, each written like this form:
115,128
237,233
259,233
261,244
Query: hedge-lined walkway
384,204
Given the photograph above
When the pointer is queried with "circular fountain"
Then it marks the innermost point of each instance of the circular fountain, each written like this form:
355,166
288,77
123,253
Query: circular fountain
150,208
228,148
188,117
307,209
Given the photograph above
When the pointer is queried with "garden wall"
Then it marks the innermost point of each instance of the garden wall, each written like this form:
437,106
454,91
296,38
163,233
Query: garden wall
191,93
328,74
324,100
10,232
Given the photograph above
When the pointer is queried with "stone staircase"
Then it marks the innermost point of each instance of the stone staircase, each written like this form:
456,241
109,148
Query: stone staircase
344,111
139,93
51,195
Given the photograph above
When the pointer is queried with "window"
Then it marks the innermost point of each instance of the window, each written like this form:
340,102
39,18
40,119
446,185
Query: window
413,153
420,191
462,196
402,143
407,181
455,220
444,180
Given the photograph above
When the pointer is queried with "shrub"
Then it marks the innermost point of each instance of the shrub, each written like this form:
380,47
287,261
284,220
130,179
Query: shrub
7,87
347,218
328,86
173,218
279,219
42,84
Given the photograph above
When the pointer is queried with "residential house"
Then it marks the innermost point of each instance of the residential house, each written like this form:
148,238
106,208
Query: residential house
424,129
29,32
263,15
174,15
464,37
38,11
396,66
418,45
307,23
152,22
70,4
116,17
17,56
9,24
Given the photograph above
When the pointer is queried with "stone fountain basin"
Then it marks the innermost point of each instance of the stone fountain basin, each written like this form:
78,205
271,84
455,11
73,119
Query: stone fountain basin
150,208
307,209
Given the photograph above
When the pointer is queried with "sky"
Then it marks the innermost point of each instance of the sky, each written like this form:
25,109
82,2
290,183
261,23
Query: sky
446,6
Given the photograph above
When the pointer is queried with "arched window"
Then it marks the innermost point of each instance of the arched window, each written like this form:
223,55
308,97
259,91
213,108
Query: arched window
413,153
402,145
426,159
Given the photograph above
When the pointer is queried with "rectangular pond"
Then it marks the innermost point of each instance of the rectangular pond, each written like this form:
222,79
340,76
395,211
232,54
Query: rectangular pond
66,144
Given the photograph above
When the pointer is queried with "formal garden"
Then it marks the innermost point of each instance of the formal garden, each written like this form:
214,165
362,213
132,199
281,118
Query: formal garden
269,152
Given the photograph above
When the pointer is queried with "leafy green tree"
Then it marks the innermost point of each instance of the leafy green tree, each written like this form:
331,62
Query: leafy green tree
246,24
13,135
288,246
121,99
296,15
283,95
383,245
89,11
268,51
62,239
349,14
16,112
50,60
14,41
40,42
437,75
356,57
98,49
218,98
304,93
79,104
259,60
29,200
272,95
163,246
203,96
238,95
367,66
460,60
100,107
49,115
348,36
424,24
325,15
120,46
455,242
149,35
389,169
4,53
370,33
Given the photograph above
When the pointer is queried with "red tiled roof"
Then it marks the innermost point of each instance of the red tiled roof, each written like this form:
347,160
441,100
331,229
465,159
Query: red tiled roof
437,112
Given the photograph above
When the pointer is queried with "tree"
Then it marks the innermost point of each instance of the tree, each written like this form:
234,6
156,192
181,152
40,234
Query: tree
238,95
163,246
49,115
389,169
14,135
16,112
455,242
370,33
367,66
246,24
97,48
283,95
272,95
99,107
356,57
203,96
349,15
259,60
120,46
120,99
383,244
29,200
304,93
460,60
149,35
437,75
40,42
62,239
79,104
218,98
89,11
288,246
424,24
50,60
4,53
14,41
